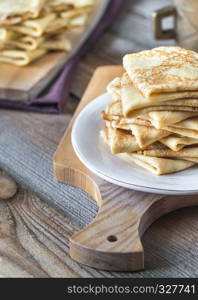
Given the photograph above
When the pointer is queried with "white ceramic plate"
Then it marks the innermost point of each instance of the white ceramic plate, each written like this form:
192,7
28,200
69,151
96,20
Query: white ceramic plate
96,156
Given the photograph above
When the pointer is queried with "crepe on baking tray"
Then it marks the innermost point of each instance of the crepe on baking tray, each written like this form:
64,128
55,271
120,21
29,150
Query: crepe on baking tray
20,58
35,27
14,11
28,43
61,4
30,28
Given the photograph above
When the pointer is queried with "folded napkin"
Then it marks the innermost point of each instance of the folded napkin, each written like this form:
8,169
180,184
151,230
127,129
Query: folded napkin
53,99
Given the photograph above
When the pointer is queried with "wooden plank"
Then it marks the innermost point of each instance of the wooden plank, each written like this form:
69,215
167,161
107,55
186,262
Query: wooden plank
34,241
27,142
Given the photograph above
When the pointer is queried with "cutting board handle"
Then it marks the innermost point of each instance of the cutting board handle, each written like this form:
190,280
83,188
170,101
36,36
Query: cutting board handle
112,240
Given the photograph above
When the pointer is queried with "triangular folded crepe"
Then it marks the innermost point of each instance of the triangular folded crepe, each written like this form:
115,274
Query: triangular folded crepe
182,102
108,117
20,58
185,152
187,128
114,89
114,108
60,42
7,35
163,107
160,119
57,26
176,143
28,43
158,166
35,27
75,12
119,122
193,159
74,3
77,22
164,70
10,9
120,141
134,104
147,135
131,98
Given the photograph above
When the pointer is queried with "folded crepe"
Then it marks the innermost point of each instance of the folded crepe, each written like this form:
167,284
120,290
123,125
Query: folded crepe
192,159
120,141
35,27
133,101
191,151
114,89
23,42
177,143
163,107
59,42
147,135
114,108
20,58
70,3
119,120
79,21
75,12
7,35
188,128
161,119
158,166
13,11
164,72
58,25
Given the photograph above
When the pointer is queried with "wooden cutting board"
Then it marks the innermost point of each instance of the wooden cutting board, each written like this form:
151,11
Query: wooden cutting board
113,240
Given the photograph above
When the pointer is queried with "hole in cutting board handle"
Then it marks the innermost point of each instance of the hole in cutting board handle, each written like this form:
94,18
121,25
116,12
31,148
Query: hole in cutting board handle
112,238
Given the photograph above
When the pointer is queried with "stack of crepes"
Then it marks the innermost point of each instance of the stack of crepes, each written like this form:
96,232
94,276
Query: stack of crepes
31,28
153,119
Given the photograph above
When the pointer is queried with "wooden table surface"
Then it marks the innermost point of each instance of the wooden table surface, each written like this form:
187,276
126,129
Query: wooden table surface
35,225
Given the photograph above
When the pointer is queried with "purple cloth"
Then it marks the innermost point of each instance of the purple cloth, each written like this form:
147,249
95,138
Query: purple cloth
53,98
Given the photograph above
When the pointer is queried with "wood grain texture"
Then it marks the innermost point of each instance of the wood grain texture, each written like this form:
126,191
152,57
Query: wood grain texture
112,240
34,242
